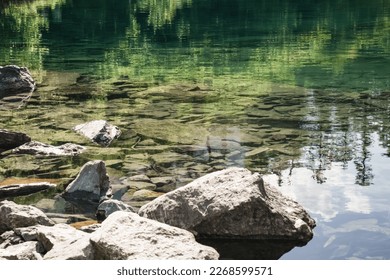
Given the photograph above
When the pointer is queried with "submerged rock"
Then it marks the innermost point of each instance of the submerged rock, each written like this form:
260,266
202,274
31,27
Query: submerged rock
10,139
15,79
23,189
37,148
232,203
91,184
99,131
145,239
14,216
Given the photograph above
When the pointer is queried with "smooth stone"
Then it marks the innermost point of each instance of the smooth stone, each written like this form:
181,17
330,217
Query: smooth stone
145,239
142,195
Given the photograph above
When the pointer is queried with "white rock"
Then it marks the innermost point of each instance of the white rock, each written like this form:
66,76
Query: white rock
99,131
24,251
125,235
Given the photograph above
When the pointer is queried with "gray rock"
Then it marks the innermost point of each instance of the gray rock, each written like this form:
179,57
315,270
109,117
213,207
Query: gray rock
99,131
24,251
91,184
13,216
38,148
109,206
145,239
10,139
90,228
77,249
15,79
50,237
9,238
24,189
232,203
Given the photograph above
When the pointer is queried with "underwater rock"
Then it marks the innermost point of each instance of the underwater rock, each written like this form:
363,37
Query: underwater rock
145,239
99,131
38,148
14,216
232,203
10,139
24,189
15,79
91,184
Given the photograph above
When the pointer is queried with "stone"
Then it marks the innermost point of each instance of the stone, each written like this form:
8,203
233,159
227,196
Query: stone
23,251
91,184
38,148
99,131
232,203
9,238
14,216
142,195
23,189
50,237
10,139
77,249
15,79
145,239
139,182
90,228
109,206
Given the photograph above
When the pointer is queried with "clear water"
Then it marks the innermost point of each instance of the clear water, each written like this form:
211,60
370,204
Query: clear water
297,90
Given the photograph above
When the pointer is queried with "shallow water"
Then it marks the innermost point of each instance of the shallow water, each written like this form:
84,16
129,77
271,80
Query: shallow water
298,91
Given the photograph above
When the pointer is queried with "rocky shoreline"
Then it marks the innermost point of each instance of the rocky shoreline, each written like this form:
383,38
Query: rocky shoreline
140,217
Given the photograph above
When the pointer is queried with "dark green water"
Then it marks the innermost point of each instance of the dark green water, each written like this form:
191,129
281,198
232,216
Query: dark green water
297,90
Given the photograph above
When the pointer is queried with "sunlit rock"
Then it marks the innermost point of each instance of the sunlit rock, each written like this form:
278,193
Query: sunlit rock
23,251
109,206
99,131
14,216
145,239
24,189
91,184
232,203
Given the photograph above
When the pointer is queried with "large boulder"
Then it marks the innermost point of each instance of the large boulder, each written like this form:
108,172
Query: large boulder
38,148
99,131
15,79
232,203
91,184
11,139
125,235
14,216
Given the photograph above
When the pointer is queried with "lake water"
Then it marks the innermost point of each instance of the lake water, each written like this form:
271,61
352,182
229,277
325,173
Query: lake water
296,90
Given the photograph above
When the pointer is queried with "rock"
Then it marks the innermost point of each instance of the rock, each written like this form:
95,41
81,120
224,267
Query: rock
9,238
145,239
80,249
139,182
14,216
38,148
142,195
91,184
99,131
232,203
24,189
90,228
110,206
50,237
15,79
10,139
24,251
